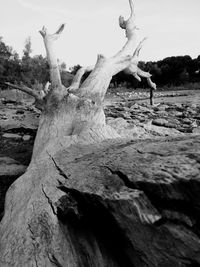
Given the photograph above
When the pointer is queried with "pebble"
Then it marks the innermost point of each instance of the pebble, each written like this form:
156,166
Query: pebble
160,122
26,137
186,121
11,135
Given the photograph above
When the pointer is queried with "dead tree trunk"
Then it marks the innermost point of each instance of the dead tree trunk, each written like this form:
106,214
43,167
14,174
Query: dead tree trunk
39,226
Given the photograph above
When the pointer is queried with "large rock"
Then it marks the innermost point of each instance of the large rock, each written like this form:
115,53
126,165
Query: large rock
140,206
127,204
11,135
160,122
17,117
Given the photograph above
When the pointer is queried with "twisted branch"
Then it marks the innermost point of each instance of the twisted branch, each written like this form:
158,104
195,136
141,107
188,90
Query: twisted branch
51,57
77,78
130,28
26,90
135,71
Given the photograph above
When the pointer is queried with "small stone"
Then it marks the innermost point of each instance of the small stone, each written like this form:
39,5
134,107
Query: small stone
196,131
3,117
179,107
162,113
145,109
162,107
20,111
26,137
135,106
193,106
120,108
191,111
11,135
124,115
160,122
194,124
177,114
186,121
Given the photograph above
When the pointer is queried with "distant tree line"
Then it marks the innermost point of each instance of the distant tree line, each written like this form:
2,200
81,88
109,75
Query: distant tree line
171,71
33,71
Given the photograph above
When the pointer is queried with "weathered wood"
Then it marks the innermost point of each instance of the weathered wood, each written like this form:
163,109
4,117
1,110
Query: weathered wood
26,90
51,56
46,222
127,204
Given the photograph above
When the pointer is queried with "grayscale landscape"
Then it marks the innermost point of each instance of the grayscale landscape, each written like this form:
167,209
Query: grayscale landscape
99,164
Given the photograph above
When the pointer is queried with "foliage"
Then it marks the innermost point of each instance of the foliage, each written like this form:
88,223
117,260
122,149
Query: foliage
34,70
9,64
28,70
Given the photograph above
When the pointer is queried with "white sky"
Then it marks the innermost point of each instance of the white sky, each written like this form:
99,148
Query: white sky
172,27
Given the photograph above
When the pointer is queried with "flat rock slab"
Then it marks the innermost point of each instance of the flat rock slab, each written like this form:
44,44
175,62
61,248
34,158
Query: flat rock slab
10,167
11,135
13,117
146,191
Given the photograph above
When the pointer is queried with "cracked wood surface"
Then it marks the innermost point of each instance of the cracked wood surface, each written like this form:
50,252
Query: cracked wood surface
89,198
123,202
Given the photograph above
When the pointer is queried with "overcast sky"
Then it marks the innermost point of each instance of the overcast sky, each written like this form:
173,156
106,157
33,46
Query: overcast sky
172,27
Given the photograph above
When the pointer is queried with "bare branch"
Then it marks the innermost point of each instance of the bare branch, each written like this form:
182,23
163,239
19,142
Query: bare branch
137,77
133,66
26,90
52,59
95,86
55,36
138,48
43,32
78,76
151,84
142,73
47,88
134,70
130,50
130,27
60,29
132,8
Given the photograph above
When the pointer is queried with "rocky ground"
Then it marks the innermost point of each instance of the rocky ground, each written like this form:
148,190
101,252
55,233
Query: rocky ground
132,115
174,114
18,126
140,205
165,142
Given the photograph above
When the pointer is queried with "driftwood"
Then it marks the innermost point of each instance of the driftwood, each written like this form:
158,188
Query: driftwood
72,207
